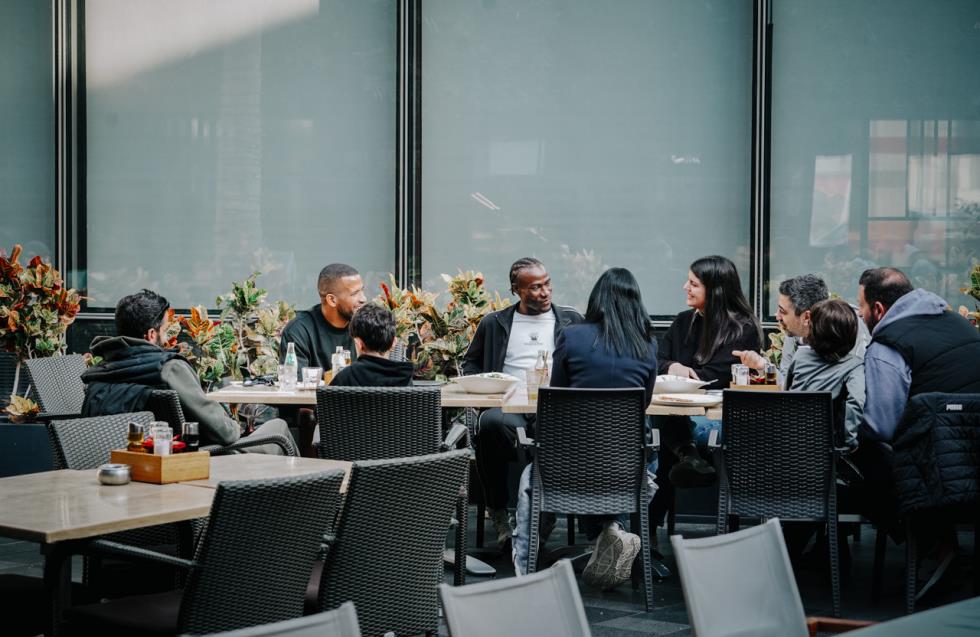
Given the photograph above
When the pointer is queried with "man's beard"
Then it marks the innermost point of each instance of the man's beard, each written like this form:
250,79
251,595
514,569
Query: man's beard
345,314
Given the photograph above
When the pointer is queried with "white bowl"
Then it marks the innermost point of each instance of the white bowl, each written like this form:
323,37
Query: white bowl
668,384
482,384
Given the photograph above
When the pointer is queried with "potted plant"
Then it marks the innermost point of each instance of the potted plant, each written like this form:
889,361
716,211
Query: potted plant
437,338
35,311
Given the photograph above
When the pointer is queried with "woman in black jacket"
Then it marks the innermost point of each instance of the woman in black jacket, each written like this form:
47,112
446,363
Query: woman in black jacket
615,347
699,344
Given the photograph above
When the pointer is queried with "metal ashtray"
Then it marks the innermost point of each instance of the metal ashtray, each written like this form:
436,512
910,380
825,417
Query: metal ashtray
114,474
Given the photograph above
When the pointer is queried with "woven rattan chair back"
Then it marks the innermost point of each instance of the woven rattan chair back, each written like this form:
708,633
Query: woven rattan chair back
388,553
778,454
165,405
543,603
372,423
335,623
590,450
256,556
85,443
58,383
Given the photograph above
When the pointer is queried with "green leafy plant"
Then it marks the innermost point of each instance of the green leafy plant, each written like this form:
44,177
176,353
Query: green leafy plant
35,309
438,337
973,290
211,347
775,352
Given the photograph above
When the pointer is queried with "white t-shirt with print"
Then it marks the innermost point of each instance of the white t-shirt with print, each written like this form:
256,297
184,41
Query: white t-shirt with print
528,334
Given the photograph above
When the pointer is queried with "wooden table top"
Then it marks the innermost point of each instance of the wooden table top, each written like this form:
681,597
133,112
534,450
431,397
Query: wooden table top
257,466
452,396
517,403
67,505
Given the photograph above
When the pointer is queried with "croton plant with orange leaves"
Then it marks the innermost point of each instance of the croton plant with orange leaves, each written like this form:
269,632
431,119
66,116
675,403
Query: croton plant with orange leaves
437,338
212,347
35,310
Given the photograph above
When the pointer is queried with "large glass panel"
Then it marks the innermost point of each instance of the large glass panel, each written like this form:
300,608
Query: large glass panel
876,141
588,134
27,159
228,136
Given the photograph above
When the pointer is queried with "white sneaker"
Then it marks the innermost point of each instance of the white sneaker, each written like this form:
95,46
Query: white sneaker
612,559
503,525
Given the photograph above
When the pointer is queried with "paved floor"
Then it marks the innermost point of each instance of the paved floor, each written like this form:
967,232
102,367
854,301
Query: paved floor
621,613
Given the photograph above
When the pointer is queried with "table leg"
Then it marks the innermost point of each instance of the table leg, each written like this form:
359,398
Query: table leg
57,583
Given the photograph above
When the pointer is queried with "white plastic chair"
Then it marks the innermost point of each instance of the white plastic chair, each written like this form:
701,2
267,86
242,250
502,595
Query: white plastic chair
341,622
543,604
742,583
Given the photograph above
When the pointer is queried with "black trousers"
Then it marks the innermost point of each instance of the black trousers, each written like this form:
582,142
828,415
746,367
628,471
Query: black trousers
496,448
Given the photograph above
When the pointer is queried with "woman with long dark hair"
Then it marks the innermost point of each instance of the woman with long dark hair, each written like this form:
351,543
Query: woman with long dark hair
699,344
615,347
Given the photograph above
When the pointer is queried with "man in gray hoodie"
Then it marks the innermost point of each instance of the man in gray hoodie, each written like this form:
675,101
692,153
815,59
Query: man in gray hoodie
917,346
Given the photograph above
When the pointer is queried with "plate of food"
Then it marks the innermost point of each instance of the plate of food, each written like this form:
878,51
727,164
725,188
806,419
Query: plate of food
669,384
687,400
489,383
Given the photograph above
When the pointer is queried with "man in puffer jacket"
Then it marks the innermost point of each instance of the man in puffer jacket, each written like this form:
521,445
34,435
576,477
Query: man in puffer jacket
135,363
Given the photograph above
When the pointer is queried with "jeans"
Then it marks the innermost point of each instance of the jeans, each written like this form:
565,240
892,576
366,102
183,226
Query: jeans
593,523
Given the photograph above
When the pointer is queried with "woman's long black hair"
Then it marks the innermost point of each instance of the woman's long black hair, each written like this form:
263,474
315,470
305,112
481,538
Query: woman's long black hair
726,311
616,306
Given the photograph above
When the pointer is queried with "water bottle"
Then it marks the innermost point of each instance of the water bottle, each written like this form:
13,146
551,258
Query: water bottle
290,368
338,361
541,368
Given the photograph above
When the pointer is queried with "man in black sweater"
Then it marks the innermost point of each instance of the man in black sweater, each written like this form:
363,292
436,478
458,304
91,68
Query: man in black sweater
373,330
509,341
317,332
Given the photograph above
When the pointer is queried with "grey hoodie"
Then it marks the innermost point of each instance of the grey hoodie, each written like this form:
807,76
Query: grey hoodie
812,373
887,375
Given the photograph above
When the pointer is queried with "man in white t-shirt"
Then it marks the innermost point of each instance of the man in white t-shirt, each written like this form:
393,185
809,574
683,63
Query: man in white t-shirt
509,341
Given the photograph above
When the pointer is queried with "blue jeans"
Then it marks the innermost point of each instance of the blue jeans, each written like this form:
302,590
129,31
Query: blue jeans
702,429
521,540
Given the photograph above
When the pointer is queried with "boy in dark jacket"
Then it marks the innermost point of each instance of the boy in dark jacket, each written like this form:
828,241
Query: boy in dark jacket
373,330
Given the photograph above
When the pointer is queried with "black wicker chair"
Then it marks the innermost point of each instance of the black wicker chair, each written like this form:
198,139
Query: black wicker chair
590,458
375,423
371,423
165,405
85,443
387,556
57,381
250,568
778,460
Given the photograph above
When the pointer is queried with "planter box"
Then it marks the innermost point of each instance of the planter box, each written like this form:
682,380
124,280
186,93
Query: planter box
24,448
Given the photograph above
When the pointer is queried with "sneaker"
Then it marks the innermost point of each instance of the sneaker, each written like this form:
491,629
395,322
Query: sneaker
692,472
612,560
503,526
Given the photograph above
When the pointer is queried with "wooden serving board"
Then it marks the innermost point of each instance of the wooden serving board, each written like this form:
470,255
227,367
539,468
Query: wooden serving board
146,467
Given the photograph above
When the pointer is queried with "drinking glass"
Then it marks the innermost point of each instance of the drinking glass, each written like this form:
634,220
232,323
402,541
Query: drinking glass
740,374
771,370
533,377
163,437
311,377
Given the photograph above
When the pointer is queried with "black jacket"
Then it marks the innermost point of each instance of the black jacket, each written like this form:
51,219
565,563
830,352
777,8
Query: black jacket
937,452
488,349
582,359
680,344
374,371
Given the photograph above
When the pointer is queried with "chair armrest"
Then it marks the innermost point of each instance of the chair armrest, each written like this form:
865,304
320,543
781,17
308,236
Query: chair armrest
523,440
713,439
256,441
833,625
108,547
456,433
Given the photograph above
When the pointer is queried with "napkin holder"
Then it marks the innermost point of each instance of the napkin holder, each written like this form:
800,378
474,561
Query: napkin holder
147,467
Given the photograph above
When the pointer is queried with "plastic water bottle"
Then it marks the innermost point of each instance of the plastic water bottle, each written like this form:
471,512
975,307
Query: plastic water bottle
338,361
290,368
